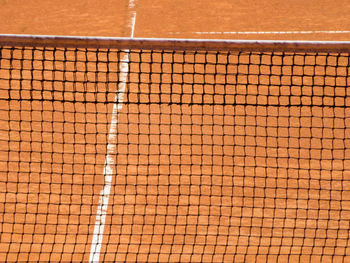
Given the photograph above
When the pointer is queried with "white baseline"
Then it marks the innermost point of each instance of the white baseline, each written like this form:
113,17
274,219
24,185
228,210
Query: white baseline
109,165
264,32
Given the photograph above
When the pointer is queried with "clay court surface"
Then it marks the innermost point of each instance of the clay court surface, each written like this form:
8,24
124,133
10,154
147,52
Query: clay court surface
172,197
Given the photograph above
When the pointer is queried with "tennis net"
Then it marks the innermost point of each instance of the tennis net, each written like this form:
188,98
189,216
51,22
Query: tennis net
174,150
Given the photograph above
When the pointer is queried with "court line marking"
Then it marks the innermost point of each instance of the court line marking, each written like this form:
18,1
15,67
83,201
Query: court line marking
109,165
265,32
133,22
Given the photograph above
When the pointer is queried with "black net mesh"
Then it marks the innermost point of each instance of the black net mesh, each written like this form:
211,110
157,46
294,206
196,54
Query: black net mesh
174,156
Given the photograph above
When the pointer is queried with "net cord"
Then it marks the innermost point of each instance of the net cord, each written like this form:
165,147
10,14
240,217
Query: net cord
175,44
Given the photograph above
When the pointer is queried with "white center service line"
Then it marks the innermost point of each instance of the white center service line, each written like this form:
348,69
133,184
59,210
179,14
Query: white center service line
109,166
133,22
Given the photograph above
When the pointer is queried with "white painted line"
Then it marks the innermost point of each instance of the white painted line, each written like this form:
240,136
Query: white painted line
131,4
133,22
109,165
265,32
108,171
